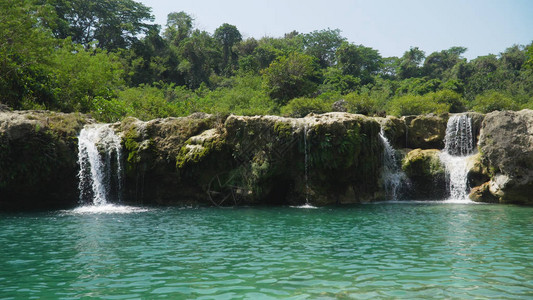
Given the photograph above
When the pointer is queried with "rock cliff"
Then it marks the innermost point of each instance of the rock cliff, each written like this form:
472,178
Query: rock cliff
261,160
38,159
506,146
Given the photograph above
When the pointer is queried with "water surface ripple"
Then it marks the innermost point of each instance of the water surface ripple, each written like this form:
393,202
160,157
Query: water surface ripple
395,250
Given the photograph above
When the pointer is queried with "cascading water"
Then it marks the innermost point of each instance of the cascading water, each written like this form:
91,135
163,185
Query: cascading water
306,169
306,155
392,175
459,146
100,161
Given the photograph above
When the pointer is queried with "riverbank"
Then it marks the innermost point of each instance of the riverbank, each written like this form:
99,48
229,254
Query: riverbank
333,158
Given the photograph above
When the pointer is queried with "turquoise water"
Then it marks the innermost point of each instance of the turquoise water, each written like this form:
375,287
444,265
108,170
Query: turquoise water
394,250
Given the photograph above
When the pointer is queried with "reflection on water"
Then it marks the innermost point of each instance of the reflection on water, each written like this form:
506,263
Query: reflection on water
394,250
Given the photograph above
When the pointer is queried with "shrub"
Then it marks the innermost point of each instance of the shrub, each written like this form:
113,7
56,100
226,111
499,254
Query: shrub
361,104
491,101
415,105
300,107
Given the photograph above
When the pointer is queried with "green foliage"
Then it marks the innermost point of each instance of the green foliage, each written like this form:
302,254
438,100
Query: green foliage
82,75
111,24
291,76
243,96
334,80
300,107
361,104
491,101
440,64
179,27
25,50
228,35
410,63
415,105
359,61
146,103
103,58
323,44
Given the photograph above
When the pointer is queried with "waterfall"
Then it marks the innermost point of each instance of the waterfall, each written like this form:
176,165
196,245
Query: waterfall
100,161
306,165
392,175
459,146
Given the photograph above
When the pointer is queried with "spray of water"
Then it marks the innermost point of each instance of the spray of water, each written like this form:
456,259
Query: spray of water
392,176
100,161
459,146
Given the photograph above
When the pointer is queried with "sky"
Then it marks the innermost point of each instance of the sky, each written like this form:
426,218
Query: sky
389,26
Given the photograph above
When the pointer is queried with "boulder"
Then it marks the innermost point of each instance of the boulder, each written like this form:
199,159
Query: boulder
395,131
426,174
425,131
482,193
506,145
477,171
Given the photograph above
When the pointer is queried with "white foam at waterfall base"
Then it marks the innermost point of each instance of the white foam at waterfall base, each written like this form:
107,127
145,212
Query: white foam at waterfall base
100,161
459,147
106,209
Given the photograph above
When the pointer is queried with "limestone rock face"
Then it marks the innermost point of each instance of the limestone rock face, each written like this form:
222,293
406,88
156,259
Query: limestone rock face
323,159
329,158
426,173
395,130
155,149
38,159
506,143
426,131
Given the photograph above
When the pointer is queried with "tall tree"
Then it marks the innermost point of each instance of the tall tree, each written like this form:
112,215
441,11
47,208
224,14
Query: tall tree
25,51
440,64
410,63
179,27
323,44
228,35
199,56
111,24
358,61
291,76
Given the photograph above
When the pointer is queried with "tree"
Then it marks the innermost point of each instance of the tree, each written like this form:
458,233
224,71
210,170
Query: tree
440,64
81,77
529,55
323,44
358,61
198,57
491,101
389,67
291,76
228,35
410,63
513,58
25,51
179,27
335,80
111,24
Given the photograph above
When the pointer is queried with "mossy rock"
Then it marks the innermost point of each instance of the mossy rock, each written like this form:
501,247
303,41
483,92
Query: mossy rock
426,131
197,148
38,150
426,174
421,162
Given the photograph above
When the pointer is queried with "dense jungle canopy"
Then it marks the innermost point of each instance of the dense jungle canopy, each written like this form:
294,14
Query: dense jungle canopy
108,59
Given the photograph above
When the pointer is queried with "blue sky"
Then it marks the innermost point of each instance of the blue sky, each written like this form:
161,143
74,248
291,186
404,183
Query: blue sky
392,27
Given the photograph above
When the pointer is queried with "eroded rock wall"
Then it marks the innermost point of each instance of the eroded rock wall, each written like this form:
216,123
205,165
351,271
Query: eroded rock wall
38,159
506,146
260,160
